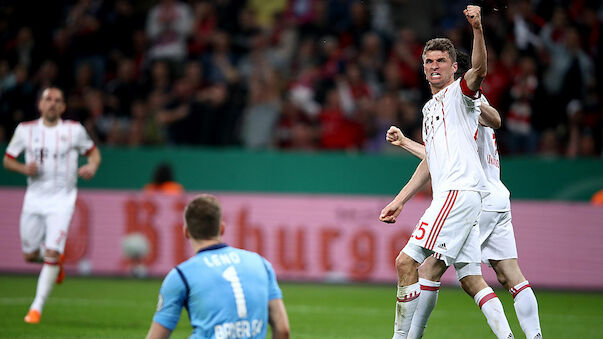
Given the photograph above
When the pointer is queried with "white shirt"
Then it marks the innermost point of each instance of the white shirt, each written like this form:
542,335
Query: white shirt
55,150
498,199
449,129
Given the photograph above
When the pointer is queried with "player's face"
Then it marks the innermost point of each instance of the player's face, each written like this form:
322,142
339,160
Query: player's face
52,104
439,69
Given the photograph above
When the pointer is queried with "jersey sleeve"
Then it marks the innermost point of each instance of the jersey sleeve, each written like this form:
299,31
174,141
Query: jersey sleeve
172,297
83,143
17,143
471,99
274,291
467,91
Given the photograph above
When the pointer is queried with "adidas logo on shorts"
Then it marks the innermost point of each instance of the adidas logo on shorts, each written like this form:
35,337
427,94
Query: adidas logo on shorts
442,246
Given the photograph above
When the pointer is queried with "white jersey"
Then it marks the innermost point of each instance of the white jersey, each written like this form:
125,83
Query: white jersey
498,199
449,130
55,150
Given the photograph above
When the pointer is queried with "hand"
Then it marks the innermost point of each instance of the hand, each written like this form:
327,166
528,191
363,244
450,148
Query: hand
87,171
395,136
472,13
31,169
391,212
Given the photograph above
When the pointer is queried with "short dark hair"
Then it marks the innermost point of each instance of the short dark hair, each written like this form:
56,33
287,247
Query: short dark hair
463,60
440,44
203,216
163,173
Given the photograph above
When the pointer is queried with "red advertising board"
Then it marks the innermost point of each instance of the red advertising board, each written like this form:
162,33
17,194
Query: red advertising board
306,237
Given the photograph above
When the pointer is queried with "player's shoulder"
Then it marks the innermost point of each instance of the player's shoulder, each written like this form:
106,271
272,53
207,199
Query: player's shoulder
252,258
24,127
455,87
69,122
29,123
73,125
246,253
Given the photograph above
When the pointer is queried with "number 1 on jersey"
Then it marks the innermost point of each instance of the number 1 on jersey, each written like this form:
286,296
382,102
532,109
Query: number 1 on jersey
230,274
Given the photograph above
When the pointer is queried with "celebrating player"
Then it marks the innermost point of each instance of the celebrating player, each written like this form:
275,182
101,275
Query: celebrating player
449,227
51,147
496,231
228,292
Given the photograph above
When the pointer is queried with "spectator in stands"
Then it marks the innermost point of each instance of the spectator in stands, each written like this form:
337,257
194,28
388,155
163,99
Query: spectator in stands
169,24
138,51
261,114
338,132
163,181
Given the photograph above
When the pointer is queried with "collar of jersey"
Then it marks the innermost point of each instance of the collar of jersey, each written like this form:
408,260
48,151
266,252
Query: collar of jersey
438,96
41,123
212,247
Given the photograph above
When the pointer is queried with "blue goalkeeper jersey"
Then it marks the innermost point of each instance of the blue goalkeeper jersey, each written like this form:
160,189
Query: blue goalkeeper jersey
225,291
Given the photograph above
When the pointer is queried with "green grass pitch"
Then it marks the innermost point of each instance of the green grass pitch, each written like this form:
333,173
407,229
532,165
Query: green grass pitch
123,308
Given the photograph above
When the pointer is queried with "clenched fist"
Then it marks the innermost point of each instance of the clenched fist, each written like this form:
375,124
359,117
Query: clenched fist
472,13
395,136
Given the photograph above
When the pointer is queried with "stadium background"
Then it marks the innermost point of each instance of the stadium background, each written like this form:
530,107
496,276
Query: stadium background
280,107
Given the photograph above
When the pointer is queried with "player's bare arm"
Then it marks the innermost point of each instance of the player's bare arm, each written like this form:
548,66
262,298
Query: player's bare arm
29,169
395,137
157,331
88,170
479,61
277,317
489,116
421,176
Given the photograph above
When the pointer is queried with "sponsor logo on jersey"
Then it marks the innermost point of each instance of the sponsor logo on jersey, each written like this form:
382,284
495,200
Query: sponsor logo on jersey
239,329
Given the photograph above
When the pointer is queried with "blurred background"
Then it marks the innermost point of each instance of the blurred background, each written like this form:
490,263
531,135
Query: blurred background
297,74
280,108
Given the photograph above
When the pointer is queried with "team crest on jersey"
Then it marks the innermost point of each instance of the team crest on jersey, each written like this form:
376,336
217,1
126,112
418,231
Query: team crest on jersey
159,302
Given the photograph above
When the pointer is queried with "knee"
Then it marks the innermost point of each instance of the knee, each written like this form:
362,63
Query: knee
52,254
472,284
31,257
431,270
502,279
404,263
508,273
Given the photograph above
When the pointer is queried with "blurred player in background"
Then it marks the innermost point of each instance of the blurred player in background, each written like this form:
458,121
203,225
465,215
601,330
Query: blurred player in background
228,292
449,227
51,147
496,231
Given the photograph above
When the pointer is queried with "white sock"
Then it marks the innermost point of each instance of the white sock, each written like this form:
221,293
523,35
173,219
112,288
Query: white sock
427,302
526,308
407,300
46,281
492,308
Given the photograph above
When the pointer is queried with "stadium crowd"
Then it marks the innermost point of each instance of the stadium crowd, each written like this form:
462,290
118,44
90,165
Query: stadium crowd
297,74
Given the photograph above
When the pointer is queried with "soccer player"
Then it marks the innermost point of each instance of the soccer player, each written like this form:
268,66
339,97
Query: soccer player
449,227
51,147
496,231
228,292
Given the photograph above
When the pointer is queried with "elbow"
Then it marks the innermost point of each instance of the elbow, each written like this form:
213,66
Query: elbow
283,332
481,72
497,123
